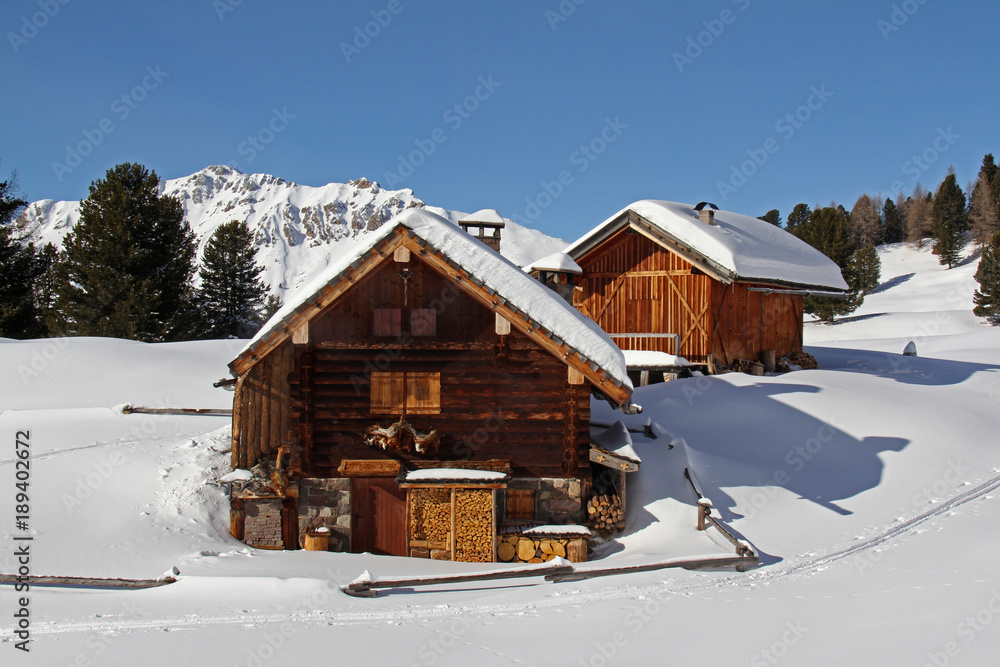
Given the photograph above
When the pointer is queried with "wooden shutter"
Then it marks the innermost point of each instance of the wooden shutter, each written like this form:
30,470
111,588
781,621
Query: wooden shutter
388,322
388,393
520,504
423,322
423,393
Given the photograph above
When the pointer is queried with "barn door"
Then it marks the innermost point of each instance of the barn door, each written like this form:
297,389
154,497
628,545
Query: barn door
390,523
379,516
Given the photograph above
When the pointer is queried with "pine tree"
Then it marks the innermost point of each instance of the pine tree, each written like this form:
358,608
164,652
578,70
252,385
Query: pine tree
799,215
950,220
990,170
126,266
773,216
983,216
829,230
231,296
865,270
892,222
987,297
19,269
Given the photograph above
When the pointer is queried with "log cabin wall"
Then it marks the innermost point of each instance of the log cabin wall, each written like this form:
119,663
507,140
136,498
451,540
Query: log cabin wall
501,396
750,322
261,408
630,284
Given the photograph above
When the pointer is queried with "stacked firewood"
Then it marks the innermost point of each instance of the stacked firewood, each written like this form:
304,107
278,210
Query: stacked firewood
605,512
474,526
430,514
803,360
521,549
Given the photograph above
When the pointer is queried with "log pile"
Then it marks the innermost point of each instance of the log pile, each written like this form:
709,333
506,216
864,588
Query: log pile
605,512
474,526
430,515
803,360
521,549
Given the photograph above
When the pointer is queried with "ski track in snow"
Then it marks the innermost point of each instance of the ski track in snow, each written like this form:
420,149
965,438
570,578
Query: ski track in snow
432,610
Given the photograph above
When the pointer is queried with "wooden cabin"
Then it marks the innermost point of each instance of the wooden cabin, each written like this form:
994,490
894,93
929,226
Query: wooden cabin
711,286
419,398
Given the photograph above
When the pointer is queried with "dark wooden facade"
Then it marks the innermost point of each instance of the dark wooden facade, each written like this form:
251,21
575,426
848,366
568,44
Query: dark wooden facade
633,284
405,337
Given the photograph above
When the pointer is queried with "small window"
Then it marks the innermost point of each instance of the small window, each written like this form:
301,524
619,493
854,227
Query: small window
520,504
406,393
388,322
423,322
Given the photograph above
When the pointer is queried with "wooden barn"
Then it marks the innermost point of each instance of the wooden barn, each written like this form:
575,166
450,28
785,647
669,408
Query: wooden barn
711,286
422,397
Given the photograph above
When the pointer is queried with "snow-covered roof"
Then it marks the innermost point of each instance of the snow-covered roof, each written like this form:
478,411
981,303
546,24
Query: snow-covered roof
558,261
490,215
455,475
519,291
616,439
639,359
735,247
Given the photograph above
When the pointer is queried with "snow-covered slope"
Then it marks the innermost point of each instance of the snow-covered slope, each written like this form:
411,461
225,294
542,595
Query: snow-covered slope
918,299
870,486
298,228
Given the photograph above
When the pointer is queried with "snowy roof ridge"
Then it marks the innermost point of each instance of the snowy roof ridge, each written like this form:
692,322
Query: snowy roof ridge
744,247
557,261
519,291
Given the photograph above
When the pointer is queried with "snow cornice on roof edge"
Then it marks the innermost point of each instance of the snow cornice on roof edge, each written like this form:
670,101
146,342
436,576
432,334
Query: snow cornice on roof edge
735,247
494,280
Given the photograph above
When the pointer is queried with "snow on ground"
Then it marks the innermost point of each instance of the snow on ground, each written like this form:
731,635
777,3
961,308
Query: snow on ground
869,486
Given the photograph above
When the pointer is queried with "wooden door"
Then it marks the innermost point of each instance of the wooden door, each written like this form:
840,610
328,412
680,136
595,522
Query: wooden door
379,516
390,523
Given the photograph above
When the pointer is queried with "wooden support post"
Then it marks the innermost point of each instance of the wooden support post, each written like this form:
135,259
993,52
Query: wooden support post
704,510
454,524
767,358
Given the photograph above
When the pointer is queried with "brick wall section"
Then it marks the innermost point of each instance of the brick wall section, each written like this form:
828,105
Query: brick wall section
262,523
327,502
557,500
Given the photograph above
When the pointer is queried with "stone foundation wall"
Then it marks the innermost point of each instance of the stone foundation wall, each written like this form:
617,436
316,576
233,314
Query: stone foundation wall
557,500
262,523
327,502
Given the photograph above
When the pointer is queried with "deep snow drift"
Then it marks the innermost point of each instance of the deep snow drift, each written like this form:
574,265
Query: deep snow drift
870,487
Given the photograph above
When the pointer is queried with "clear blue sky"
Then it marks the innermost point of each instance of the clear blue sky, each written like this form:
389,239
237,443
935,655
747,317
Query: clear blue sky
184,84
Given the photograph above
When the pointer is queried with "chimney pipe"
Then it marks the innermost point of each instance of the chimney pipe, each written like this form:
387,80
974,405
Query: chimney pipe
706,212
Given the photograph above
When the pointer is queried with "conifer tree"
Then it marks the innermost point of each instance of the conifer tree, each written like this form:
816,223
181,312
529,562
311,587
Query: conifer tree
950,220
18,271
126,266
919,221
867,221
231,296
773,216
892,222
830,231
865,271
798,216
987,297
983,215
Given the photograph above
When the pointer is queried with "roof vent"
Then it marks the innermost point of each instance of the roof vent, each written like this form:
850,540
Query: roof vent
706,212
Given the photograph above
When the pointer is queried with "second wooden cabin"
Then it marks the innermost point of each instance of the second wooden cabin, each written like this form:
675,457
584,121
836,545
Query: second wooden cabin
711,286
